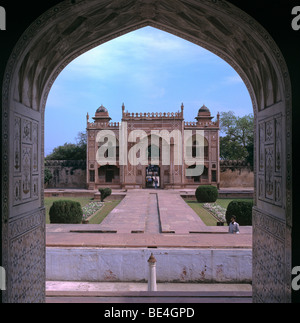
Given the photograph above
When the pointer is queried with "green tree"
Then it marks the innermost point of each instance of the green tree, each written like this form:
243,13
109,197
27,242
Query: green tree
250,150
70,151
231,149
237,141
47,176
81,139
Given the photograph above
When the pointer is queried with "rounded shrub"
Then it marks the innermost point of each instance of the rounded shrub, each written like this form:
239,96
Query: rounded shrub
66,212
206,194
105,192
242,210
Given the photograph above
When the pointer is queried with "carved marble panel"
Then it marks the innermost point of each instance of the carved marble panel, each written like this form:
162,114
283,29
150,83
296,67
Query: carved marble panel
261,187
26,131
261,146
26,160
269,259
25,283
269,166
17,145
35,133
278,191
269,137
278,145
35,187
270,160
17,191
26,171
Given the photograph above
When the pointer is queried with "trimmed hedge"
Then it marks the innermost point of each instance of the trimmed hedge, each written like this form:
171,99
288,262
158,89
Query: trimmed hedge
206,194
242,210
66,212
105,192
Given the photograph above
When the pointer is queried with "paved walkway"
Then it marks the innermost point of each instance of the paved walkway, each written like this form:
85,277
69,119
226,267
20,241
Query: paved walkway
65,286
152,211
86,292
136,213
176,215
149,298
149,218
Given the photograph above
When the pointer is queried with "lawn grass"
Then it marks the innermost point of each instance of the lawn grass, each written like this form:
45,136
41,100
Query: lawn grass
205,216
225,202
104,211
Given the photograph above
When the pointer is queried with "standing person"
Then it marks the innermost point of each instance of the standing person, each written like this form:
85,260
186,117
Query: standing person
155,182
149,181
234,227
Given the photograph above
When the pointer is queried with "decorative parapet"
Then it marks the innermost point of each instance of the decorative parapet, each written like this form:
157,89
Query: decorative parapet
154,115
208,124
99,125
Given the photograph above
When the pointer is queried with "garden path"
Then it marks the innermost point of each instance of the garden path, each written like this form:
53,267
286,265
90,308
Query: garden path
148,218
152,211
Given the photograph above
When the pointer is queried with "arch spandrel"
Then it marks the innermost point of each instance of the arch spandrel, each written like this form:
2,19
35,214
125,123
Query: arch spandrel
209,24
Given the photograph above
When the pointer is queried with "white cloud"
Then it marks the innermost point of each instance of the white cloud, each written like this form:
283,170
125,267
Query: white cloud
148,70
233,79
136,50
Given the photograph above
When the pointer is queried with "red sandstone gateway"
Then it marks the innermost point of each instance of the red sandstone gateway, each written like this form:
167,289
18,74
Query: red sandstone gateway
184,154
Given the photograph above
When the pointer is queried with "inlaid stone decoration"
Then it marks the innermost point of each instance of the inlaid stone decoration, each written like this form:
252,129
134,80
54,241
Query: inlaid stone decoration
26,171
26,131
26,282
17,191
261,147
278,143
270,160
269,172
17,145
270,255
26,160
35,156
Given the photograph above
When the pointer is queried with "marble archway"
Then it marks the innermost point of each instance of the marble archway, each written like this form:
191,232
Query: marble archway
70,29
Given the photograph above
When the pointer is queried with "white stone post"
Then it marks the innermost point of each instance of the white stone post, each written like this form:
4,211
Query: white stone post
152,287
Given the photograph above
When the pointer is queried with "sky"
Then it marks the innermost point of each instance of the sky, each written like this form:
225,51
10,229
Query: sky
149,71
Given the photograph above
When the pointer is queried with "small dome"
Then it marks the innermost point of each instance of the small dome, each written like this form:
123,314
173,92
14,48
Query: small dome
102,109
204,109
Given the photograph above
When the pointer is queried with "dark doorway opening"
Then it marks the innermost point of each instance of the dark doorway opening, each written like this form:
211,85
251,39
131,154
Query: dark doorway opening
152,176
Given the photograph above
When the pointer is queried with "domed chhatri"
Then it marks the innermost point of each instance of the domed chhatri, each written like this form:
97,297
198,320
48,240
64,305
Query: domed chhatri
204,114
204,110
102,114
101,109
